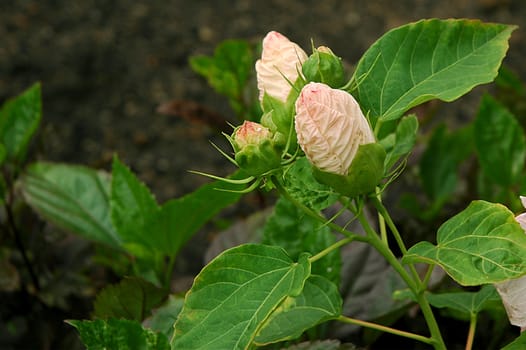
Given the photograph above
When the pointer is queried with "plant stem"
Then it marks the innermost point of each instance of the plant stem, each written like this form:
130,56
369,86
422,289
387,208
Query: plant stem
386,329
330,248
385,214
381,219
413,283
471,334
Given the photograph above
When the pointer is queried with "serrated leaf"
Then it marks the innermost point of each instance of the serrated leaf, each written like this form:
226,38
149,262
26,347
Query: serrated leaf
290,228
500,143
428,59
132,299
19,119
118,335
302,186
482,244
180,218
75,198
233,295
319,301
132,206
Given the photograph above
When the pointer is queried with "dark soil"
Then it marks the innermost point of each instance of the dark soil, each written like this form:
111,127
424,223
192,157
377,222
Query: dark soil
106,66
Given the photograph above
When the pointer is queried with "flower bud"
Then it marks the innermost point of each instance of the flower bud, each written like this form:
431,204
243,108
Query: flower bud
324,66
513,292
330,127
279,66
254,148
337,140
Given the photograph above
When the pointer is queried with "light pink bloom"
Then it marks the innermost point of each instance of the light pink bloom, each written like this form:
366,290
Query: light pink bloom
330,127
250,133
513,292
279,66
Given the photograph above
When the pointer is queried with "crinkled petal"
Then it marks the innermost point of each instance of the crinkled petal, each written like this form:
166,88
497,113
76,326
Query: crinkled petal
513,295
279,65
330,127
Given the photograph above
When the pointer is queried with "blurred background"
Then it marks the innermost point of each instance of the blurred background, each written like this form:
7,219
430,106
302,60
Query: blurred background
107,66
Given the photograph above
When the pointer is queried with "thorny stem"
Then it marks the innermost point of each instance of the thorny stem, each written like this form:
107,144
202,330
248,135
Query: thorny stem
386,329
471,333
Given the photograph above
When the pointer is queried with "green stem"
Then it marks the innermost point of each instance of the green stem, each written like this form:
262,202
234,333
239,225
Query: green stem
168,272
471,333
385,329
330,248
382,211
381,220
413,283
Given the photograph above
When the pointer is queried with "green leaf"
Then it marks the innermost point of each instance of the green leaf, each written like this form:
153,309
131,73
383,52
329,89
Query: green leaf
296,232
228,70
500,143
303,187
132,206
74,198
441,159
19,119
118,335
329,344
132,299
461,304
428,59
319,301
482,244
233,296
518,344
164,317
179,219
402,140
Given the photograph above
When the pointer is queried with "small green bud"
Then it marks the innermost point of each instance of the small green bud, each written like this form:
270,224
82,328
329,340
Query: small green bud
255,150
323,66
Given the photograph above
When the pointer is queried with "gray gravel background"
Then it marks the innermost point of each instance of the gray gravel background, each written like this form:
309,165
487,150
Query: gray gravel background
105,66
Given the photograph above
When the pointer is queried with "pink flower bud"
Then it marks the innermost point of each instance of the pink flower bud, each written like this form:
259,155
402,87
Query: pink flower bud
251,133
278,68
330,127
513,292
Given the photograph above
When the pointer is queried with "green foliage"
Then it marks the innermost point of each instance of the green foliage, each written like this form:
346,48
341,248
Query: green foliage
299,181
131,299
118,335
228,72
517,344
428,59
131,205
72,197
401,142
318,302
482,244
19,120
500,143
233,296
290,228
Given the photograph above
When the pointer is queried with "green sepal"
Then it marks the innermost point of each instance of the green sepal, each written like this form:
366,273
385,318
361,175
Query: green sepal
365,173
324,67
258,159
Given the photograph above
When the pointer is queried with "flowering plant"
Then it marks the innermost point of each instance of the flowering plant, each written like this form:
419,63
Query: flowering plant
331,147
